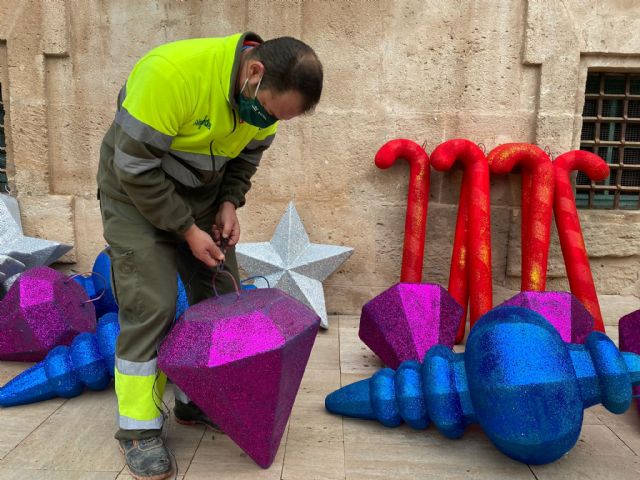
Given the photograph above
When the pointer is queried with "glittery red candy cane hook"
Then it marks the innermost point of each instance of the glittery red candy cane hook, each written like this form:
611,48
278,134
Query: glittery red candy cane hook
471,258
574,251
417,203
537,206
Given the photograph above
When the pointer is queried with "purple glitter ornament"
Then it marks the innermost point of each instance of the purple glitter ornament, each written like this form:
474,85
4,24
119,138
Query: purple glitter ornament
43,309
240,358
405,321
629,333
563,310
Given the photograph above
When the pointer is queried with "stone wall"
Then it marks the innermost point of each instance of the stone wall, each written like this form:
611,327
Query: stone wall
429,70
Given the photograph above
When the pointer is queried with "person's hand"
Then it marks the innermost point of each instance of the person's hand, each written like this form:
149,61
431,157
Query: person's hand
203,247
226,224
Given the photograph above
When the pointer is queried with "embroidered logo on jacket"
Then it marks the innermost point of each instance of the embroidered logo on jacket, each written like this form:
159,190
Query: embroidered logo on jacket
203,122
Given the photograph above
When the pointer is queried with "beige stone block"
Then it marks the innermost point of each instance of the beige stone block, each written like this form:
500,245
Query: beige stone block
555,132
617,276
50,217
88,236
315,386
423,72
355,356
614,307
489,129
218,457
18,422
21,474
598,454
284,170
76,133
24,58
346,37
315,446
55,28
339,156
29,146
348,299
275,19
375,452
315,458
7,16
326,349
439,244
77,437
610,233
203,19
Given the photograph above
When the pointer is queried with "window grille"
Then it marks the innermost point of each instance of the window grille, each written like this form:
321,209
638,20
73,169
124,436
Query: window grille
611,129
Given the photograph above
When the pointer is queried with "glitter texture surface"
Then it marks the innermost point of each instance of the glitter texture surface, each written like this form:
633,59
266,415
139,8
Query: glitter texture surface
292,263
629,330
517,379
26,251
576,260
67,371
563,310
406,320
99,287
537,206
415,227
41,310
102,266
473,229
241,359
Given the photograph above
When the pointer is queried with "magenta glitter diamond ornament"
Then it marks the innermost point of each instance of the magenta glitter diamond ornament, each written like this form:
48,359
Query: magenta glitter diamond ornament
629,332
563,310
405,321
43,309
240,358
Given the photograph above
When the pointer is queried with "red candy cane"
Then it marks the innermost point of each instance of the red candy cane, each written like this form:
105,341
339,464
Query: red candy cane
417,202
537,206
574,251
472,263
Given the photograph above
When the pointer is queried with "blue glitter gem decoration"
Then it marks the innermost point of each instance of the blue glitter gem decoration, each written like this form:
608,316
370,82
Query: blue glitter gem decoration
517,379
67,371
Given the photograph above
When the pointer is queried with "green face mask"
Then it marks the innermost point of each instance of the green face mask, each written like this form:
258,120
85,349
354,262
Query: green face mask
252,111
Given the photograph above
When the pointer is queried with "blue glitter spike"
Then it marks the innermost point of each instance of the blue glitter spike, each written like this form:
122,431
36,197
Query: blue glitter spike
66,371
516,378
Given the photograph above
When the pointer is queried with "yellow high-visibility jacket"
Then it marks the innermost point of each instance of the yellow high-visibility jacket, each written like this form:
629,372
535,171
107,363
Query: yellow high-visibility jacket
177,135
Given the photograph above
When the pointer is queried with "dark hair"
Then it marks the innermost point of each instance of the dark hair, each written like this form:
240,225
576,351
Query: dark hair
291,65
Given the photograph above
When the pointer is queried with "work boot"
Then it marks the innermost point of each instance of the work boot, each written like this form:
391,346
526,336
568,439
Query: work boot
191,414
147,459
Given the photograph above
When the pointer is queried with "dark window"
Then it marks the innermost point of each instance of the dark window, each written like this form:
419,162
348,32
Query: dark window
3,150
611,129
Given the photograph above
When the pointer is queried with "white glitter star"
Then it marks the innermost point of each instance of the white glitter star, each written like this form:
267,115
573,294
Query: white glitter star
292,263
18,252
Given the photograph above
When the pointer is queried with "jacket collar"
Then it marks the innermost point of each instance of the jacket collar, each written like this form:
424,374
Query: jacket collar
231,93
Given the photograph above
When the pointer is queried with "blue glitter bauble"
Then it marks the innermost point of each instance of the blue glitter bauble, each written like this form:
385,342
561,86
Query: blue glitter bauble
516,378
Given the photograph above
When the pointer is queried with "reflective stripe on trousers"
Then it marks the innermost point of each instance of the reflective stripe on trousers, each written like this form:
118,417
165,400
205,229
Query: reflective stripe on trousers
139,387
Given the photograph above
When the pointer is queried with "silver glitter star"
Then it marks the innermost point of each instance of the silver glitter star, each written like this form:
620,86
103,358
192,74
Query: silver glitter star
17,252
292,263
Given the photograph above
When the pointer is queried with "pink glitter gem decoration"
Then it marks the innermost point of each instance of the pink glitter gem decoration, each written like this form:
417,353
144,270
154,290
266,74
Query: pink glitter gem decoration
241,360
41,310
405,321
629,332
562,309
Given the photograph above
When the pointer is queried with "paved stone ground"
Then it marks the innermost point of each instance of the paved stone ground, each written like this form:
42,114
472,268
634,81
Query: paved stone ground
73,439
